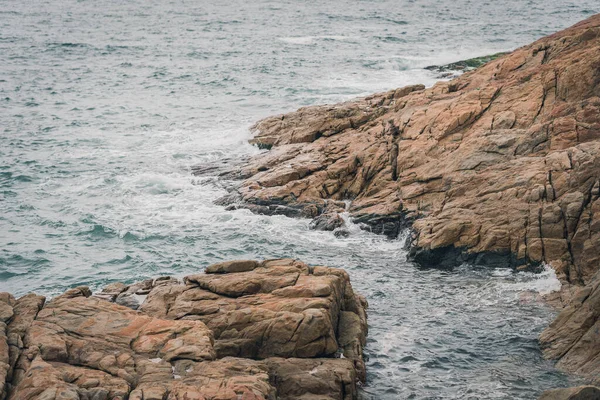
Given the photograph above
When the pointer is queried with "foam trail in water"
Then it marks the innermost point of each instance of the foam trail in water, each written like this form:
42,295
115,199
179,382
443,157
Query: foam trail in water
543,283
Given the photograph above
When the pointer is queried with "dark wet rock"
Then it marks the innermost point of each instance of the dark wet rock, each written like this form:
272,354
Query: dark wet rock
388,225
341,233
327,222
449,257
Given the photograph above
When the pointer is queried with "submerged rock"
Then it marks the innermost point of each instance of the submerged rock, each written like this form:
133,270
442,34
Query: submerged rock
245,330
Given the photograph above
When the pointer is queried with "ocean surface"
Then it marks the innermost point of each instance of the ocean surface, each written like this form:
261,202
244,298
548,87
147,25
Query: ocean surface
105,106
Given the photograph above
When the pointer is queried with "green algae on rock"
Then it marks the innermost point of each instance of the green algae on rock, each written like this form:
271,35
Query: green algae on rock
466,65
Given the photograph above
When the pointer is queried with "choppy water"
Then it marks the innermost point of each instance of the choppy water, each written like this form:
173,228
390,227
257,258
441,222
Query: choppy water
106,105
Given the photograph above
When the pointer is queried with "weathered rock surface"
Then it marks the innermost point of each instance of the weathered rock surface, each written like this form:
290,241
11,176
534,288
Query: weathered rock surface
576,393
501,165
277,308
286,324
24,312
574,337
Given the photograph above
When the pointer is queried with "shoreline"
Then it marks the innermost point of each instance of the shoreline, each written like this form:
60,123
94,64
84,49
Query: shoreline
498,167
519,124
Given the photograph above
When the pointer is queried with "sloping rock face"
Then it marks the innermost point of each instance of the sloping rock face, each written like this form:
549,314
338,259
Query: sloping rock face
498,166
574,337
247,330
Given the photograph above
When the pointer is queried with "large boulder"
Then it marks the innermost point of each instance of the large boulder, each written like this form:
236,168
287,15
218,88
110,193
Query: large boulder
295,331
279,308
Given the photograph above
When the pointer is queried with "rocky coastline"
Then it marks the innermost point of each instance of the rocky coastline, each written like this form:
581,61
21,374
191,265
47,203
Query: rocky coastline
242,330
499,166
501,160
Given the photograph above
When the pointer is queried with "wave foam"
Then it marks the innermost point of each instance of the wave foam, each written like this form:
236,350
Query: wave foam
542,283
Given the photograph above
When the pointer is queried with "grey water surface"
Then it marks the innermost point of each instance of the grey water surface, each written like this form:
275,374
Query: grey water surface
106,105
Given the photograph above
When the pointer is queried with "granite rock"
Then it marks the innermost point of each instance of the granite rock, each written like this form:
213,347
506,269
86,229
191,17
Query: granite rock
250,330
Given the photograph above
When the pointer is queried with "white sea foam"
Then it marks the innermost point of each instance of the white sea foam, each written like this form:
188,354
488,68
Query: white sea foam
306,40
543,283
298,39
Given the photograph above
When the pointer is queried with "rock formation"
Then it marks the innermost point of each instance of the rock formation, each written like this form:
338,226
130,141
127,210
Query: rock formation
576,393
498,166
574,337
244,330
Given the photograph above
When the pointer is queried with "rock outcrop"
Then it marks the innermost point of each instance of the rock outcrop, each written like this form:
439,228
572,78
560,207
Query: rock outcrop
574,337
498,166
277,329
